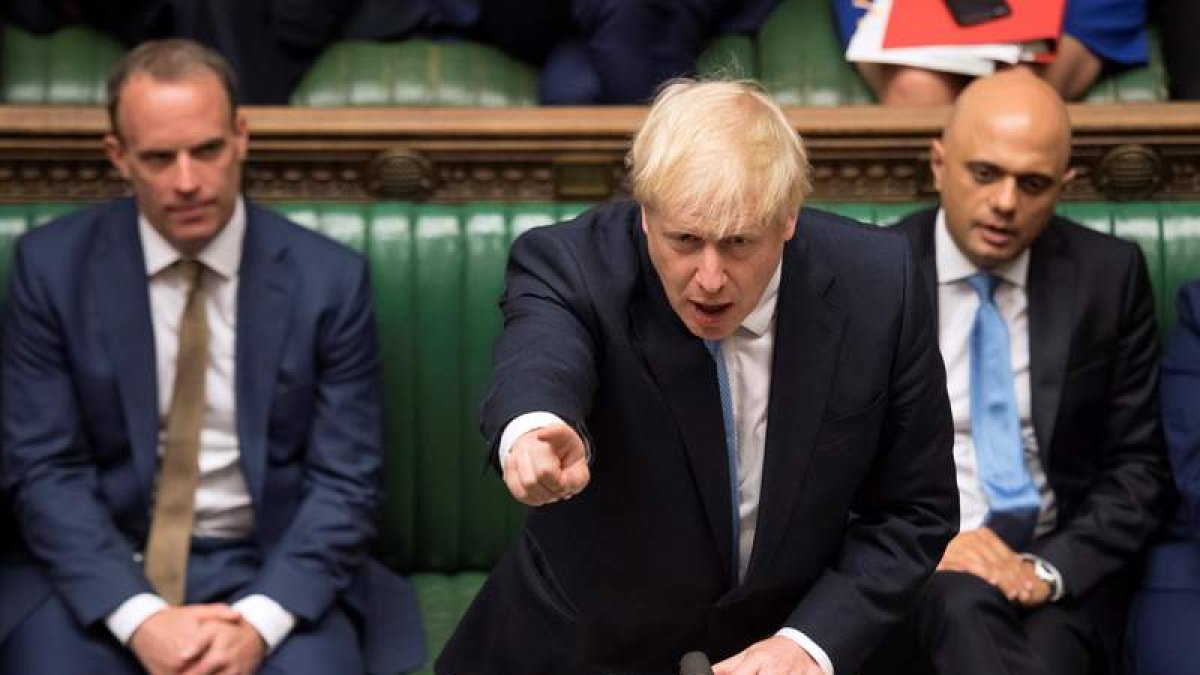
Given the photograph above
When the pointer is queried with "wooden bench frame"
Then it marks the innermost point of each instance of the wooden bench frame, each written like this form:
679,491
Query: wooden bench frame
453,155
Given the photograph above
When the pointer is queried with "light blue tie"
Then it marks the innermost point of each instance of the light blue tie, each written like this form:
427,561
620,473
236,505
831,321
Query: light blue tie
996,425
731,441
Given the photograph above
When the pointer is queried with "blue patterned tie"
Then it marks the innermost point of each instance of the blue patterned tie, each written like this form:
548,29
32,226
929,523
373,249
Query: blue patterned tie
731,441
996,425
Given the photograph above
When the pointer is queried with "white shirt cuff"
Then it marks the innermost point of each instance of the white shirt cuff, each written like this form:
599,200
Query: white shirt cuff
268,617
124,621
809,646
521,425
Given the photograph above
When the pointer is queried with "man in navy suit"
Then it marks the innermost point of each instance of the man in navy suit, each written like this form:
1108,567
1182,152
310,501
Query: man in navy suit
189,320
728,413
1166,610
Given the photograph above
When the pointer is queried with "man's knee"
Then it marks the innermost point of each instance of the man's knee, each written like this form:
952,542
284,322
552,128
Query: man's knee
50,640
329,646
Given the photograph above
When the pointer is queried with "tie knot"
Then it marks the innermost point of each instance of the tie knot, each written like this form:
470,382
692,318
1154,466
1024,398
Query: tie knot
713,347
190,269
984,284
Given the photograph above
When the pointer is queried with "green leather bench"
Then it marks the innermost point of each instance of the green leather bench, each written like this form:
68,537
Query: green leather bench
796,55
438,272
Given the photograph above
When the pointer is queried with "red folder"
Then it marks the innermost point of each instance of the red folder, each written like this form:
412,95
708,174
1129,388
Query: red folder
924,23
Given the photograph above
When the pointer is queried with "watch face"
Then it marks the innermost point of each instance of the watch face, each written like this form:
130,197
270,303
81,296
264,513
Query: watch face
1043,572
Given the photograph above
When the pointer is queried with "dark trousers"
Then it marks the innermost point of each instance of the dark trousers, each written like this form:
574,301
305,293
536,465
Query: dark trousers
50,640
962,624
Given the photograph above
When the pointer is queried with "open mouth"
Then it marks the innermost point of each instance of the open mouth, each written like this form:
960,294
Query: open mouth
996,235
712,311
708,308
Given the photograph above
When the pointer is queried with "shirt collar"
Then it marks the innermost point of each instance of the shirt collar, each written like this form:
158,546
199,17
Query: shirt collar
759,320
953,266
223,254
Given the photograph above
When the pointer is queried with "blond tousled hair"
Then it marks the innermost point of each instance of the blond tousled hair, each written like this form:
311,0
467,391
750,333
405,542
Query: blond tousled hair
720,154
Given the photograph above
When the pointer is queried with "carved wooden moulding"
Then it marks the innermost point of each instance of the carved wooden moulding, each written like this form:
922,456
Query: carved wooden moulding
58,180
863,153
1120,173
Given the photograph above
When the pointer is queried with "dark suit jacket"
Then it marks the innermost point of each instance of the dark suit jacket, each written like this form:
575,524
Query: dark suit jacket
1094,379
858,497
80,420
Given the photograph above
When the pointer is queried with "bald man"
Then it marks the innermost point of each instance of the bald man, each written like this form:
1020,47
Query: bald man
1048,334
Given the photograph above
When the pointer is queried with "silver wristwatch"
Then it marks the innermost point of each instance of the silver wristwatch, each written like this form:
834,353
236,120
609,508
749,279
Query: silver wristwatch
1042,571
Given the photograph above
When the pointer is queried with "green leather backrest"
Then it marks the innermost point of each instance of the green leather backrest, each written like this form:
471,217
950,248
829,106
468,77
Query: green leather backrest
1136,85
68,67
800,58
437,274
417,73
796,55
729,57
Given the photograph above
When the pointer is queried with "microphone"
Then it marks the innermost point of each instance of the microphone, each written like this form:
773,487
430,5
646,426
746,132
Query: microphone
695,663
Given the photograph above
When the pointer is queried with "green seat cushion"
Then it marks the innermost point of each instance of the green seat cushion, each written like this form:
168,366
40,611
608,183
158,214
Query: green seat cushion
437,272
65,67
1170,257
1180,248
882,213
801,60
729,57
443,599
1134,85
416,73
796,55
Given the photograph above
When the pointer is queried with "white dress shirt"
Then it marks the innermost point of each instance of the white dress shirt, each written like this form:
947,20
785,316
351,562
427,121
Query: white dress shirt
748,354
222,505
957,305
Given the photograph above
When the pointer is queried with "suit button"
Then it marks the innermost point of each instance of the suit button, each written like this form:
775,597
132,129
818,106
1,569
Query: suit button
138,557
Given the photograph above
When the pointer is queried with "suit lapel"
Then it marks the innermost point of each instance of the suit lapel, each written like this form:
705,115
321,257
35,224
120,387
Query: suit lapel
262,321
808,332
117,277
920,234
687,378
1051,289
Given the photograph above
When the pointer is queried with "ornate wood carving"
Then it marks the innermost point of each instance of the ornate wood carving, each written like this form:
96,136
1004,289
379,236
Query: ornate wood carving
863,153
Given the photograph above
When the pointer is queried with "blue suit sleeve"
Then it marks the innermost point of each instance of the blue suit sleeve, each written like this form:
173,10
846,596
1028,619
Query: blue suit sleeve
48,465
328,538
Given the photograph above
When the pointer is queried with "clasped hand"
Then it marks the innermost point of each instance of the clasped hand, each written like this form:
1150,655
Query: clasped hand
981,553
198,639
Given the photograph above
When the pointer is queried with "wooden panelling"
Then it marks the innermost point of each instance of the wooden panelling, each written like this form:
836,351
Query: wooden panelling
858,153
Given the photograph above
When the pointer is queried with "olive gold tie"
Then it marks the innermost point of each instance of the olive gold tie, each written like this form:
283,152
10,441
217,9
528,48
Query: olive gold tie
179,470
